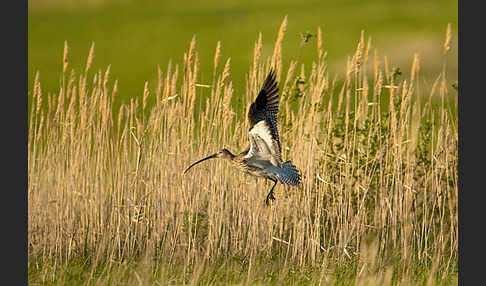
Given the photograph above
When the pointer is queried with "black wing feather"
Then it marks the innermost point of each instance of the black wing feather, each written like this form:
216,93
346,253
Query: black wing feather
265,106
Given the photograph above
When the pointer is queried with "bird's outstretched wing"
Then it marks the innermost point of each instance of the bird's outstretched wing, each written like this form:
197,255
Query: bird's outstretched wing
264,140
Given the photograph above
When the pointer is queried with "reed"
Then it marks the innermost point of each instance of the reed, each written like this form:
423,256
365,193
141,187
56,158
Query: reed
378,202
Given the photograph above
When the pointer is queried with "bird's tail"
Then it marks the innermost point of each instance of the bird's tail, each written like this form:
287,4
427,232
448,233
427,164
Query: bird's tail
289,174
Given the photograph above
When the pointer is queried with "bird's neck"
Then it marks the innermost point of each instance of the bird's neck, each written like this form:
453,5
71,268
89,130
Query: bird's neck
231,156
244,152
238,158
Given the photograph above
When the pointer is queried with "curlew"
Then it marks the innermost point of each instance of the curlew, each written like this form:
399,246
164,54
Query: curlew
262,158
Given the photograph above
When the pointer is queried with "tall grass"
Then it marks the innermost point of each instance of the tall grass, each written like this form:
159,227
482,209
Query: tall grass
378,154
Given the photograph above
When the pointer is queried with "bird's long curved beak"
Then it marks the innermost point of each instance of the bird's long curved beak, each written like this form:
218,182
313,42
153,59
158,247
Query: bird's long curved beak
202,160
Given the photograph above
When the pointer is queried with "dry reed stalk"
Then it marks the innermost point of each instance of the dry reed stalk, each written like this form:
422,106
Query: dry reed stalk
448,38
65,58
160,80
89,61
276,62
145,95
217,55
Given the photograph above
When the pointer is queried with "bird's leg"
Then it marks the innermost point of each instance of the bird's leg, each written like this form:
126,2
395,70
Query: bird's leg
270,194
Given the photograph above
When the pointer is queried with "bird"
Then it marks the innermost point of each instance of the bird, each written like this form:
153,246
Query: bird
263,156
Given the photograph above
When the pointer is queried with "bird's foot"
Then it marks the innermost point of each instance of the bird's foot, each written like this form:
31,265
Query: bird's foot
271,197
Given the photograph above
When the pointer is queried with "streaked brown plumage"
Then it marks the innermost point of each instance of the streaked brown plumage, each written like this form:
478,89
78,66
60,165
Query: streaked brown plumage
262,158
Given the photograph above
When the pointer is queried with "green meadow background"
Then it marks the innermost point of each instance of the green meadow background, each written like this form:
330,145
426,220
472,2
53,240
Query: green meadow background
134,37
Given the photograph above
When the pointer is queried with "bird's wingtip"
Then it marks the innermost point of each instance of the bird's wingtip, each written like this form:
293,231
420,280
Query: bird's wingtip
271,72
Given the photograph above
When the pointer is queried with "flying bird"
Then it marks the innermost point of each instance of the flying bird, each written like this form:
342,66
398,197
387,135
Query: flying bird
263,156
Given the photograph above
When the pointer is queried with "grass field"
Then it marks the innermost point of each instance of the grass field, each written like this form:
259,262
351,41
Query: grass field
377,148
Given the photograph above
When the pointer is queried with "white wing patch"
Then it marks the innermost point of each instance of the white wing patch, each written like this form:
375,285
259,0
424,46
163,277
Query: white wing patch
261,143
262,130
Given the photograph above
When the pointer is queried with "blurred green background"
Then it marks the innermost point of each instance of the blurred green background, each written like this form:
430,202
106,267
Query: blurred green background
136,36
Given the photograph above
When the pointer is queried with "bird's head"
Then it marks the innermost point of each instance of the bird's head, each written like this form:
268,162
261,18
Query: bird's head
225,154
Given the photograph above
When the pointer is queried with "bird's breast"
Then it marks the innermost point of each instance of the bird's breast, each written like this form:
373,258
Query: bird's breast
254,165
